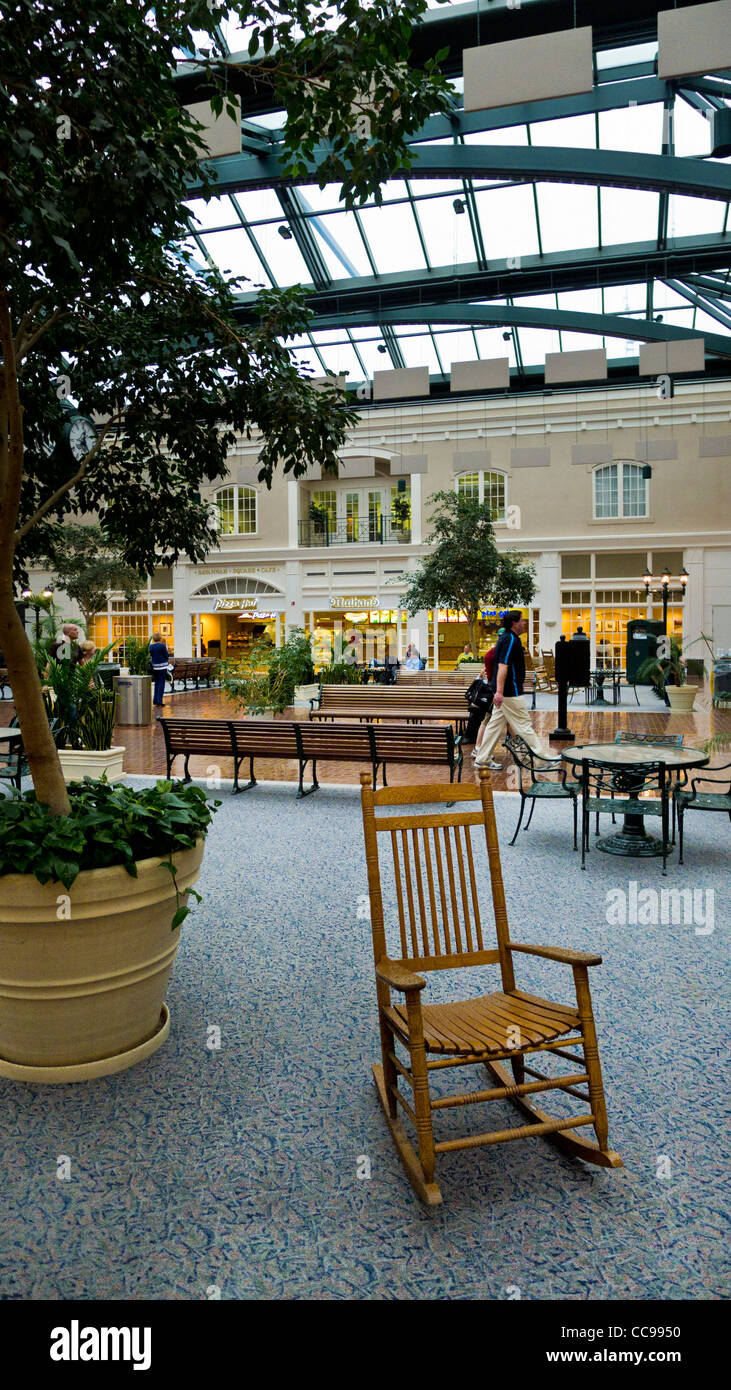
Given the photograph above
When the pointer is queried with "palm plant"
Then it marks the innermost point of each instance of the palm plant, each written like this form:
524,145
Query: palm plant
72,697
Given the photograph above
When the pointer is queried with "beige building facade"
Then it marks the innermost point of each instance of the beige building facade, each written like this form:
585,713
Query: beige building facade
566,475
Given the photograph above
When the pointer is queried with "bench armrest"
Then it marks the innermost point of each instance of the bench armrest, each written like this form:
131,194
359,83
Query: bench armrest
397,976
559,953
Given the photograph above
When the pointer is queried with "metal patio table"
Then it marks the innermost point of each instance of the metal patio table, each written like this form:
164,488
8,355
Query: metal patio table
598,678
626,761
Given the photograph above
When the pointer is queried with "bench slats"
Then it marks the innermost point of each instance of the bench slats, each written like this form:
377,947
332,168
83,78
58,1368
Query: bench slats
309,742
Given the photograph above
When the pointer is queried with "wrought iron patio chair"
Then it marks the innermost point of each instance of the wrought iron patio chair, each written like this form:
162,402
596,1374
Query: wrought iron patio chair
610,790
690,799
540,771
440,928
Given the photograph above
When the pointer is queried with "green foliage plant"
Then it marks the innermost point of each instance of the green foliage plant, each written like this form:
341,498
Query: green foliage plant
267,678
137,656
464,568
340,673
73,700
110,824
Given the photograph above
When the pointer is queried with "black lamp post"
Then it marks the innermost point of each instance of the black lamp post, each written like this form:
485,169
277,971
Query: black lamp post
665,583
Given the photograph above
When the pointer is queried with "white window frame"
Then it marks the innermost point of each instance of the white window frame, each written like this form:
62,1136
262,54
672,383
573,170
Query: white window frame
481,474
619,515
238,488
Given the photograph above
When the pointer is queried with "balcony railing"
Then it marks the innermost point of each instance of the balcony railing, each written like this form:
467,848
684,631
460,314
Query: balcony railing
382,530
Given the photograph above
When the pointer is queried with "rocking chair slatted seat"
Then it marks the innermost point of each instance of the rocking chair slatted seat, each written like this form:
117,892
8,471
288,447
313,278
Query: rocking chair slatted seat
440,927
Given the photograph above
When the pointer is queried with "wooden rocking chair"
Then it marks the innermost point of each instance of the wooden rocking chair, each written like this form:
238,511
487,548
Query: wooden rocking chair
440,929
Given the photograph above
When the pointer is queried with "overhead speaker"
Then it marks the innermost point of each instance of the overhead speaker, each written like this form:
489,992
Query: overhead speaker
721,140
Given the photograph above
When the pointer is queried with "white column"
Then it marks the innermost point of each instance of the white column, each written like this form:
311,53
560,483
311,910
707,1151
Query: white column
184,579
292,514
436,639
548,597
293,608
416,498
697,614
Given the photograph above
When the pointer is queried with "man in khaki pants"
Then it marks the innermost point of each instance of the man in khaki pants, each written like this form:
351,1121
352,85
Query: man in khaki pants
508,708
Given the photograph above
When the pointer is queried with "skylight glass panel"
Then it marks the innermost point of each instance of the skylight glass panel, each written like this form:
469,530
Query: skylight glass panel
635,128
284,258
393,238
506,135
618,349
236,35
260,205
568,216
628,214
667,298
422,188
581,301
626,57
419,352
307,358
679,318
218,212
342,228
492,345
448,234
342,360
580,342
691,131
575,132
234,254
321,199
535,343
458,346
694,216
706,324
508,222
374,360
330,337
622,299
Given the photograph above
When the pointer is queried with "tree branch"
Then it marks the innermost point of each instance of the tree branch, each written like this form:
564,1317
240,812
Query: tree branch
43,328
61,491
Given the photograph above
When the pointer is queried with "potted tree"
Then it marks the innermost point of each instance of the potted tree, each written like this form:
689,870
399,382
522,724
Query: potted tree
320,518
126,376
668,673
401,517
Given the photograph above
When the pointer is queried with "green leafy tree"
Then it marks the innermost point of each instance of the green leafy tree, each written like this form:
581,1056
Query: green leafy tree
101,308
88,567
465,569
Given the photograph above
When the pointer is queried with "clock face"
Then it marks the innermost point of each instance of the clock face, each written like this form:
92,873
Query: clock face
82,437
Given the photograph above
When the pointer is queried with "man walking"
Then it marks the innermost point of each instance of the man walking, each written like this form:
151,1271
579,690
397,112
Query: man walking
508,708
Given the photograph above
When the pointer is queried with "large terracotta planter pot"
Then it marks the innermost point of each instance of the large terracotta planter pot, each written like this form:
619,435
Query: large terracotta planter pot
78,763
681,697
83,974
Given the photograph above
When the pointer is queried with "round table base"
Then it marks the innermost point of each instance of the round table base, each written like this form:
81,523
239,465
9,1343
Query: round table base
631,846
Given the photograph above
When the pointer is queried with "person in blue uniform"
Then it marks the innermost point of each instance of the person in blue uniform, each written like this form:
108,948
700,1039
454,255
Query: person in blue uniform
159,658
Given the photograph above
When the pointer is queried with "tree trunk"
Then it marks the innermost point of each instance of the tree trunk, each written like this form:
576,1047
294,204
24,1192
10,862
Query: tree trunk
40,750
472,623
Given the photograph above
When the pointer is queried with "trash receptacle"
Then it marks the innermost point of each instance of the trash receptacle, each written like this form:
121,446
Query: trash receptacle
134,699
106,671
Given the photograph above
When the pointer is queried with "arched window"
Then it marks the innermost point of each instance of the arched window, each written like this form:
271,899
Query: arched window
619,491
485,487
236,511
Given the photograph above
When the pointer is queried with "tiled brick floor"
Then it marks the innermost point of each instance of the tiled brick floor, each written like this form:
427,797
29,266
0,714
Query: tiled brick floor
146,751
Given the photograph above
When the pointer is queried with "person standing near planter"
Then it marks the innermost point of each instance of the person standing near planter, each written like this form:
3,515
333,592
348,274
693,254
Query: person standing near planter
159,658
66,646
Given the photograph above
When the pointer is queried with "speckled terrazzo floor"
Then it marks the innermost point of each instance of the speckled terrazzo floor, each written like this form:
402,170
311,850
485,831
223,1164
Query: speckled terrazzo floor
237,1168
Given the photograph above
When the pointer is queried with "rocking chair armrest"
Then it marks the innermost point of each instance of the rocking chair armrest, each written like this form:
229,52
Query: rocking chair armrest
559,953
392,973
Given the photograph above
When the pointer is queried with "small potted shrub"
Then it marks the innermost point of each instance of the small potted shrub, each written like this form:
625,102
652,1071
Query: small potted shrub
137,684
668,673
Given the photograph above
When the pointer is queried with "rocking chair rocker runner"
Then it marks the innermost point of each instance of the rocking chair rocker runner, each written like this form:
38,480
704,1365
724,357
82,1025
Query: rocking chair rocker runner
440,928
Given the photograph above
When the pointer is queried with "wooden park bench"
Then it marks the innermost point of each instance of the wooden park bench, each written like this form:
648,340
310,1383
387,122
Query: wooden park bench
305,743
442,704
192,669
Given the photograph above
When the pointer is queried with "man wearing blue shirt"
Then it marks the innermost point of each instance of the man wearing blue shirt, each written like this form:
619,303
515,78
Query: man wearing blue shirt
508,708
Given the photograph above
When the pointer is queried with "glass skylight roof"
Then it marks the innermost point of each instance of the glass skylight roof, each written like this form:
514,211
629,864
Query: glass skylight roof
434,231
